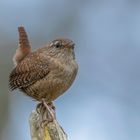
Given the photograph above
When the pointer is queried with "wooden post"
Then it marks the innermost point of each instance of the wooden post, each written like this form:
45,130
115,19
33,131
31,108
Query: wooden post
52,131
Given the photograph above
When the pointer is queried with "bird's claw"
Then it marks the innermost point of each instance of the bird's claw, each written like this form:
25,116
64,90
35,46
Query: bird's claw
46,111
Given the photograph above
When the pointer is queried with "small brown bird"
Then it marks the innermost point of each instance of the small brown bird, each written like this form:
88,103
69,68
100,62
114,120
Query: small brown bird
45,73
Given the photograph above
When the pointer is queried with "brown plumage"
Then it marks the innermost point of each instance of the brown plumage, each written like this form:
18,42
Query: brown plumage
24,47
47,72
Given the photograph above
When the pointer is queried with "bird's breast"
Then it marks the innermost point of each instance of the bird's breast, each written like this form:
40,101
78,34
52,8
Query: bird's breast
54,84
62,77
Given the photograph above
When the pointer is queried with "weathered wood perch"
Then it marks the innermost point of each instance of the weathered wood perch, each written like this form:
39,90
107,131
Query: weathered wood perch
51,131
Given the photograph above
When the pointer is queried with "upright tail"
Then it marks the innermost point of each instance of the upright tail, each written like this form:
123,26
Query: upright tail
23,38
24,47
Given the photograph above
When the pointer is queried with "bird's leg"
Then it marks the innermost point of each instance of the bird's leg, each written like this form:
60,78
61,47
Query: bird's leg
52,108
47,111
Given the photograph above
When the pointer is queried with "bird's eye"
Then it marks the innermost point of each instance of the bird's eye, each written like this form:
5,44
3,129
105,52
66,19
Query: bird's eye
58,44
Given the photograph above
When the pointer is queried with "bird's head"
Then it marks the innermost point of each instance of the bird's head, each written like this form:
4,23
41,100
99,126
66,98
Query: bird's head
61,48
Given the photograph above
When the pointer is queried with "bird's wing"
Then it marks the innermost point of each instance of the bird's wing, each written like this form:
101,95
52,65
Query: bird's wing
28,71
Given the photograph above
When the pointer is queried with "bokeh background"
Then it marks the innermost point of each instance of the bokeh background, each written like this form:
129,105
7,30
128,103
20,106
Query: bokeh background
104,101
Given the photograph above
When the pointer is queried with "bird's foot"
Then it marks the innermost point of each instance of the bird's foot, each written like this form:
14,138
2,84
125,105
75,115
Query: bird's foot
47,112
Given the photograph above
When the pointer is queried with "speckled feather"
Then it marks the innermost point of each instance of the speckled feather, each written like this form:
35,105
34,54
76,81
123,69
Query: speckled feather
30,70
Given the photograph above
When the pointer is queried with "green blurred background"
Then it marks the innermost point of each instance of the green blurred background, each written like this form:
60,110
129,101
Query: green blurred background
103,103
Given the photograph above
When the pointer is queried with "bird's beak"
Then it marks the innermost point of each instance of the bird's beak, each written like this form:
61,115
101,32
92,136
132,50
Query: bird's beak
70,45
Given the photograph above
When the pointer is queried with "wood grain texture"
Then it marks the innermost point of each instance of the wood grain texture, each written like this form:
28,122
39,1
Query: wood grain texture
52,131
